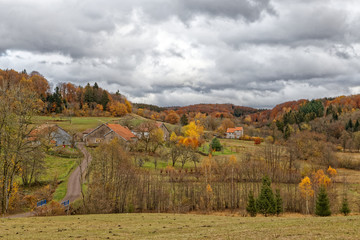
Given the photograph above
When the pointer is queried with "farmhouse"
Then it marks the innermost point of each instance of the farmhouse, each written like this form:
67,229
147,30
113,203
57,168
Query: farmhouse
166,131
234,133
51,133
107,132
143,131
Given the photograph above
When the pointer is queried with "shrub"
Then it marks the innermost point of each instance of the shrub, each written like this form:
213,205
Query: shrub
215,144
257,140
279,202
345,207
53,208
251,205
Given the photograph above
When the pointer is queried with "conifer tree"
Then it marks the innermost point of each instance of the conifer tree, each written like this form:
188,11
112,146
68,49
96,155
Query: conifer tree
104,99
251,205
287,132
184,120
279,202
215,145
266,202
357,126
345,207
349,126
322,207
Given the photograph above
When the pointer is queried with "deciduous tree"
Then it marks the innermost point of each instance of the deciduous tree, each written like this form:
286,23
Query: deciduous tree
307,191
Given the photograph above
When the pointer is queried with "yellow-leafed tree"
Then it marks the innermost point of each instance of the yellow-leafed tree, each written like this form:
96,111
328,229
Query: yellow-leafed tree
306,191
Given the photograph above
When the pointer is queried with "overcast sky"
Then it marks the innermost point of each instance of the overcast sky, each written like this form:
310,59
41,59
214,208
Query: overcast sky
254,53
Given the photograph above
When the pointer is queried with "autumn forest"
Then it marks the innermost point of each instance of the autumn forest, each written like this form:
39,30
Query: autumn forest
299,157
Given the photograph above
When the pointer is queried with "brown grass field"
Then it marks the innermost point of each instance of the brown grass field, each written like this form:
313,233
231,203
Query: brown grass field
180,226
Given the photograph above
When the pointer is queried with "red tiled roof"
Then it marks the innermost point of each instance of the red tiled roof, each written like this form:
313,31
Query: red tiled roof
231,130
34,134
121,131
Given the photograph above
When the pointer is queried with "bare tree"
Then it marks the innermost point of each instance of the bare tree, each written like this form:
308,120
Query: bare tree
17,106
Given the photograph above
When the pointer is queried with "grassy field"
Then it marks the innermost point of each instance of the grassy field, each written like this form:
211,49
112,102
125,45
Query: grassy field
60,168
78,124
177,226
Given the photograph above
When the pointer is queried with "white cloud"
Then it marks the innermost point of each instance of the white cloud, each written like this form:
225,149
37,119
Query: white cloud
173,52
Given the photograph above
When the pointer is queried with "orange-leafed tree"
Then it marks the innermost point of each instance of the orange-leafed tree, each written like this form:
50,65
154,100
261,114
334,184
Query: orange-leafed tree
307,191
40,85
128,106
225,124
192,135
117,109
172,117
321,179
332,172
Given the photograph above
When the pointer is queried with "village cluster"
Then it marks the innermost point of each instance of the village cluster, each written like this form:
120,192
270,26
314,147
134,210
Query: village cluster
108,131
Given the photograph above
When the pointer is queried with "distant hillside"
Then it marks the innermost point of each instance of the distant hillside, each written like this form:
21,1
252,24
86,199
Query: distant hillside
149,107
305,110
237,111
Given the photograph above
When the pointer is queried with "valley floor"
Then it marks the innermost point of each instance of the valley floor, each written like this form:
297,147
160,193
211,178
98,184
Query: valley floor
180,226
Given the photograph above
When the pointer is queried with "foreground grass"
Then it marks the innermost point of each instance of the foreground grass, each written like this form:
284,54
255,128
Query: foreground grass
176,226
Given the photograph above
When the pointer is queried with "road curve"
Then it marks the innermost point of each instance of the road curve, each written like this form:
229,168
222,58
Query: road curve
74,183
73,187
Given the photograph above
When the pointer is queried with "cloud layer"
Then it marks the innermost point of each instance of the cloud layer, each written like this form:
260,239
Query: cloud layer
175,52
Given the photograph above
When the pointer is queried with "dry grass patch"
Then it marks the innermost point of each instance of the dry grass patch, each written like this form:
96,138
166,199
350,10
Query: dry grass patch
175,226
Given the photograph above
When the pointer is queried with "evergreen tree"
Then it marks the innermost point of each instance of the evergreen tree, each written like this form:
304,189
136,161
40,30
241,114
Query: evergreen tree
345,207
89,94
184,120
266,202
357,126
349,126
287,132
279,202
215,145
104,99
96,86
329,110
251,205
335,116
322,207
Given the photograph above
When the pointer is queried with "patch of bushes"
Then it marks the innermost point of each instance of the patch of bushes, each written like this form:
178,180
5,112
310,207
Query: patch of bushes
249,138
65,152
349,163
53,208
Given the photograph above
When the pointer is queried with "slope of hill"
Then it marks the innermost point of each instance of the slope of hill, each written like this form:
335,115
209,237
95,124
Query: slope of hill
216,108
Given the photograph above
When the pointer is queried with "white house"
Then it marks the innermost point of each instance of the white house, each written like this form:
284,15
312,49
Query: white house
234,133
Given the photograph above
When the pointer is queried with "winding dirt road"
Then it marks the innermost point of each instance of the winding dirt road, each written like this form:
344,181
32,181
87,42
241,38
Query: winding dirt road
74,183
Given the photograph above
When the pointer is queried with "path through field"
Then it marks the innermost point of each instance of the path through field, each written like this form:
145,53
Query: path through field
74,186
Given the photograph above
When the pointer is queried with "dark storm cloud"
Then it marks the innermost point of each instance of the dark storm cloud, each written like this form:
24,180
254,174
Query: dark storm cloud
248,10
174,52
